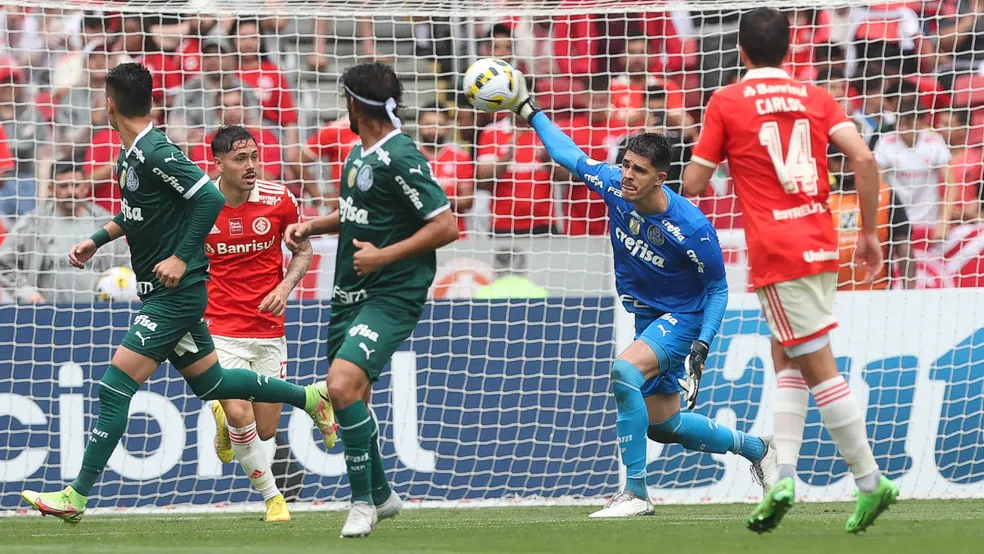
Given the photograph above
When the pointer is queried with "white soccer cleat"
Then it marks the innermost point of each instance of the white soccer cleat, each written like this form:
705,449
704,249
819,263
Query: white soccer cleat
361,518
391,508
766,471
625,504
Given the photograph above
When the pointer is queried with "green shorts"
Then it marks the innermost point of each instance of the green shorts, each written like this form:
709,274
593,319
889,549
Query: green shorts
170,327
369,333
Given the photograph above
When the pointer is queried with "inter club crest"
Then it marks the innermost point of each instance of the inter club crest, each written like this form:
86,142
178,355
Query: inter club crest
261,226
365,178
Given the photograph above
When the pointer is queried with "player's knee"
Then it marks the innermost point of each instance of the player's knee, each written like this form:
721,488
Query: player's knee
343,390
626,379
666,432
239,413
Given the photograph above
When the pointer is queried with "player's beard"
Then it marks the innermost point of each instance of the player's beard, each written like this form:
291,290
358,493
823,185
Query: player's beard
353,124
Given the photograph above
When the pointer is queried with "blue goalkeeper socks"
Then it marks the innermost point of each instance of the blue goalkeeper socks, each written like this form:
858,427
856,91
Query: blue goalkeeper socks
631,424
697,432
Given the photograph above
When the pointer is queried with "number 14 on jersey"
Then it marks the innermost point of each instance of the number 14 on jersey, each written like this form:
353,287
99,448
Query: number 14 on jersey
797,170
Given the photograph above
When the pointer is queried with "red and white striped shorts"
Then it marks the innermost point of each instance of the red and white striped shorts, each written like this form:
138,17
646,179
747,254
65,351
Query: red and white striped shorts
800,310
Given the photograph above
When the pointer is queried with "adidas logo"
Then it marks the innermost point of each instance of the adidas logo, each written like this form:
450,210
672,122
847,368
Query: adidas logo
215,230
257,473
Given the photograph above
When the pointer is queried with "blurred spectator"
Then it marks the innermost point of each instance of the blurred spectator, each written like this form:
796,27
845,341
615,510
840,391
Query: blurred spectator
595,130
196,109
38,38
511,281
914,163
167,50
808,29
73,122
34,264
101,156
875,116
28,139
233,112
629,89
963,196
320,58
835,82
332,143
894,231
258,71
450,165
500,45
515,168
961,43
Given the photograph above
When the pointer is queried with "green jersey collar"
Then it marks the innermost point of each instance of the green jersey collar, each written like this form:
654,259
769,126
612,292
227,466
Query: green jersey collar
147,129
379,144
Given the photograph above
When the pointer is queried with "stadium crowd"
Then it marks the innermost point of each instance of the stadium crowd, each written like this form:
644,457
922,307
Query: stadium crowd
909,74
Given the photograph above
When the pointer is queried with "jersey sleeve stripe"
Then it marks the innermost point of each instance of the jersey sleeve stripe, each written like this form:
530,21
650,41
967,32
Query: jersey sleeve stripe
838,127
201,183
437,212
703,162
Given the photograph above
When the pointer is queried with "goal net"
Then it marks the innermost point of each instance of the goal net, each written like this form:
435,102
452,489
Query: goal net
502,393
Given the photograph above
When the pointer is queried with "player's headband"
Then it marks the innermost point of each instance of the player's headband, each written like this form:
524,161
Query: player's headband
389,104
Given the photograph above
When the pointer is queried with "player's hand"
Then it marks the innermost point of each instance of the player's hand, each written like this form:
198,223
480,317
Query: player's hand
35,298
170,271
81,253
868,254
368,259
523,104
275,302
694,365
295,234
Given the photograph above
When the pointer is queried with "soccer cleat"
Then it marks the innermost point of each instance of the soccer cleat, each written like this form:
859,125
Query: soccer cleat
276,509
360,521
625,504
766,471
773,507
390,508
870,505
60,504
223,445
319,408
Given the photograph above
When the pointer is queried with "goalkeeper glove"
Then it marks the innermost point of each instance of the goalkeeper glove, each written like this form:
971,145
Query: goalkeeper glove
694,365
523,104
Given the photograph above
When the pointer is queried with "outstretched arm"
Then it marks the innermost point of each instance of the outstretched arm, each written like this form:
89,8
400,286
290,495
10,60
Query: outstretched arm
560,146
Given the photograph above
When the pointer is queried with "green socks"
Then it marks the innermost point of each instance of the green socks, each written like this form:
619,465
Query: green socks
218,383
115,391
380,487
356,429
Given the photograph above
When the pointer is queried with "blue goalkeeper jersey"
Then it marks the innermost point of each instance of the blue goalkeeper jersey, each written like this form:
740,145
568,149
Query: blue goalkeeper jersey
669,262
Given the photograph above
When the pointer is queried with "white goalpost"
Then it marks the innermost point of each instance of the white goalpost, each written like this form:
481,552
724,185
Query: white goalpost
491,402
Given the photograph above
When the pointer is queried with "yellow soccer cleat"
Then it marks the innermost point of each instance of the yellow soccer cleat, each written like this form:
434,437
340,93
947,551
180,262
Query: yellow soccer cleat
66,504
319,408
276,509
223,446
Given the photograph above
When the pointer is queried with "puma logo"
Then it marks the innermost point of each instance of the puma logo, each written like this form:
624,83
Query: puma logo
416,170
663,329
702,239
143,340
171,158
368,352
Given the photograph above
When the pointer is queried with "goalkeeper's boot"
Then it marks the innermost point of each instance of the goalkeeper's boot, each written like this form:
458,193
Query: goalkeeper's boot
67,505
625,504
765,472
360,521
773,507
390,508
318,406
276,509
870,505
223,445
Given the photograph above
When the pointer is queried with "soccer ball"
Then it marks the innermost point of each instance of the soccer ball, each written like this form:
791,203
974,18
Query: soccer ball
117,283
490,85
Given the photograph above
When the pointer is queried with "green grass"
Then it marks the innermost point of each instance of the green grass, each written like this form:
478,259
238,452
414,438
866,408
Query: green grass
923,527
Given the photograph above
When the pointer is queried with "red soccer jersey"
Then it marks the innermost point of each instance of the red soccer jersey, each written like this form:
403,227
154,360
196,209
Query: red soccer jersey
763,126
522,198
273,90
586,212
103,151
246,262
333,142
452,167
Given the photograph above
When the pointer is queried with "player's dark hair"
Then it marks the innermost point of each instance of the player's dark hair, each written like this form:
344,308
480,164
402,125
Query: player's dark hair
65,166
501,30
653,147
374,81
655,92
908,107
131,87
763,34
228,136
250,20
829,74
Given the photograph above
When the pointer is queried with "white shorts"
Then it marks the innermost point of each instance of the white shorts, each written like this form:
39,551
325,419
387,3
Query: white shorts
800,310
266,357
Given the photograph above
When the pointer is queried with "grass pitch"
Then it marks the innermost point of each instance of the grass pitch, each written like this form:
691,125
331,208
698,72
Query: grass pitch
910,527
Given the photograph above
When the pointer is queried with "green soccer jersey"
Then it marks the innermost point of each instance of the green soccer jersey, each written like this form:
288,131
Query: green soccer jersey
158,185
387,194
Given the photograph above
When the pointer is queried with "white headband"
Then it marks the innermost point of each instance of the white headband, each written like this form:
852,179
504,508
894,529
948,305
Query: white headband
389,104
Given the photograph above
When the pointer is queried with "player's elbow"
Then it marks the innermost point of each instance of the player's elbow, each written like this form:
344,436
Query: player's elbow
864,161
694,182
446,228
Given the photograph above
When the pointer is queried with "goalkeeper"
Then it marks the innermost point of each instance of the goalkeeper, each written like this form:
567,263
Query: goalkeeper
669,273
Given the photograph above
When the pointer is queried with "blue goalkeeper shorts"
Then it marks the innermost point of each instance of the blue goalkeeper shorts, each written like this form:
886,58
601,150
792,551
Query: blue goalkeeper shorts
670,337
